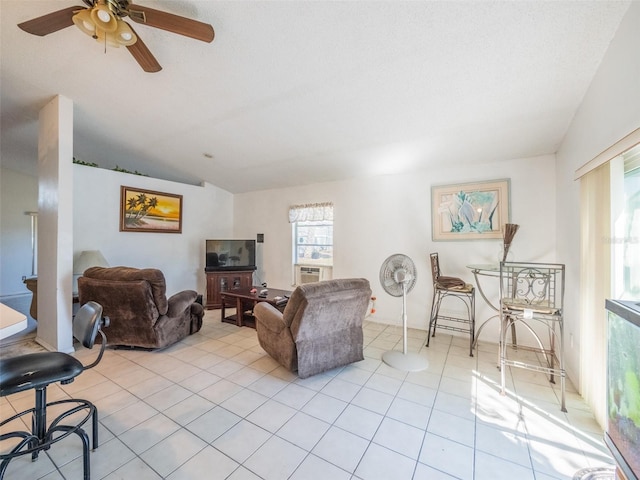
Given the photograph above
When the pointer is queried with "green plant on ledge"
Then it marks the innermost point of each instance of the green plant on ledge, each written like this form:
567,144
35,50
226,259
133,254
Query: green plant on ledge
82,162
116,169
124,170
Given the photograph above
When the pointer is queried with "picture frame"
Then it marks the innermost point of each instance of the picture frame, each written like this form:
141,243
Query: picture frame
149,211
470,211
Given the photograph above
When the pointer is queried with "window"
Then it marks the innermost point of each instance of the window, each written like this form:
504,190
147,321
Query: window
631,216
312,227
313,242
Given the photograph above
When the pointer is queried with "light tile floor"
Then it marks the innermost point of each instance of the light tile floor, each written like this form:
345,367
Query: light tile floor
216,406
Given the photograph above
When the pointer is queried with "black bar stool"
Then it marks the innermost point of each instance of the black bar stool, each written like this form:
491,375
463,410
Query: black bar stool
36,371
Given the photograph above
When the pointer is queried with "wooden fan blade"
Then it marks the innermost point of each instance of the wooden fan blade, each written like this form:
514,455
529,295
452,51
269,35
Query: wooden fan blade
143,56
171,23
51,22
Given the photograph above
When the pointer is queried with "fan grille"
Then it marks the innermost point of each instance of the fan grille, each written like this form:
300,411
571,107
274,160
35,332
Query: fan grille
396,270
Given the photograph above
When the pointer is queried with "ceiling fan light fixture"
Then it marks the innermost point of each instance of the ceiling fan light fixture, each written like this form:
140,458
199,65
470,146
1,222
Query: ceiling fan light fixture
83,21
124,34
103,18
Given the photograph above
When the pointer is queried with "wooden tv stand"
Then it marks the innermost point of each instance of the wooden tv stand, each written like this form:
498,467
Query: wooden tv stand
226,281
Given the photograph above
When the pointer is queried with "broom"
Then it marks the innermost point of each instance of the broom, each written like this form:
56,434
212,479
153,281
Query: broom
510,230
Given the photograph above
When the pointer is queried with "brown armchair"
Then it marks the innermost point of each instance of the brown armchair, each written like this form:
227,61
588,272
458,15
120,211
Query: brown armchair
319,329
135,301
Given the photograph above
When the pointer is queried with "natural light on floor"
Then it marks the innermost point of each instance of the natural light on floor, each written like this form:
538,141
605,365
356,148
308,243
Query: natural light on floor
216,406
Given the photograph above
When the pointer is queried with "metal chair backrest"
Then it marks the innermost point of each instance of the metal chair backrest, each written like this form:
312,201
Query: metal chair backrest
86,323
532,284
435,267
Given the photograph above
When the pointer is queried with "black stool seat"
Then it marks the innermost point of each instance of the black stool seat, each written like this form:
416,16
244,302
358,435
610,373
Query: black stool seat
37,370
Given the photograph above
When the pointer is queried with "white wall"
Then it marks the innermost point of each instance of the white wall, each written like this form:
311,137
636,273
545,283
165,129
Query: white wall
380,216
609,111
18,194
207,213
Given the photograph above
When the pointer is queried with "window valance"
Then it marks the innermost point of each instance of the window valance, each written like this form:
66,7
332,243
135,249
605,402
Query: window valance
623,145
311,212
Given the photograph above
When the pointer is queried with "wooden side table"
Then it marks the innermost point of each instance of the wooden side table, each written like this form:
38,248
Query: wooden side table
245,300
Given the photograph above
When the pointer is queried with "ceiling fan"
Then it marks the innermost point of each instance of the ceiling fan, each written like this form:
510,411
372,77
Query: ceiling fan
103,21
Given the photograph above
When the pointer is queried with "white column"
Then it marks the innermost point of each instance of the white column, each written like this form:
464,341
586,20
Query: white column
55,225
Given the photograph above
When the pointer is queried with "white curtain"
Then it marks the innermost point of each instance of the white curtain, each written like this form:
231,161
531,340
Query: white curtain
311,212
598,208
601,199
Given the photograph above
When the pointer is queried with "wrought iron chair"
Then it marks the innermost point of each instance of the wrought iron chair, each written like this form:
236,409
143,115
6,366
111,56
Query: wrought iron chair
533,294
37,371
451,287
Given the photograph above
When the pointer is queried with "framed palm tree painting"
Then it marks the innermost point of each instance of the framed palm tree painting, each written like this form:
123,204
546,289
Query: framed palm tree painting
470,211
149,211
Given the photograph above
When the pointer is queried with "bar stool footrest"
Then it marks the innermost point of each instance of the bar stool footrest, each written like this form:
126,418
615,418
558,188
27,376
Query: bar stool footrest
36,443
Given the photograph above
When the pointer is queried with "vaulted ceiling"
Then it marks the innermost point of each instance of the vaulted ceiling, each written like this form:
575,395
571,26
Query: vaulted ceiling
299,92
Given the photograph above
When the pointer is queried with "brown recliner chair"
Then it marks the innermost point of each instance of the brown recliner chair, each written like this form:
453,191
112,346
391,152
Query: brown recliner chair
135,301
319,329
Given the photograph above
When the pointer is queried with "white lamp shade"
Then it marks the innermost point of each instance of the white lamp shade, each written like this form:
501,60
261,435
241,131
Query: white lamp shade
83,21
103,18
88,259
124,35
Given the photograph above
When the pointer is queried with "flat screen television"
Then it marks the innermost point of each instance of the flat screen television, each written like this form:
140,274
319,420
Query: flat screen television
230,255
622,435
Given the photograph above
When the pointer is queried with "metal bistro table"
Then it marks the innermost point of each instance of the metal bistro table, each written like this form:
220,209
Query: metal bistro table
491,270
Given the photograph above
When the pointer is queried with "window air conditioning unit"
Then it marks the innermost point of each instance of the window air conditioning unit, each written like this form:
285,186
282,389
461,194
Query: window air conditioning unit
308,274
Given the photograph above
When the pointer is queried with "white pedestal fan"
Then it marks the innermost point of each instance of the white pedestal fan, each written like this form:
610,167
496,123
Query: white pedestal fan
398,277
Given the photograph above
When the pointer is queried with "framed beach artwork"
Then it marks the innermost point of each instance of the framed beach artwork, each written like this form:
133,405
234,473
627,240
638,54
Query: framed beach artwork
470,211
149,211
